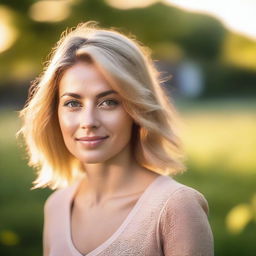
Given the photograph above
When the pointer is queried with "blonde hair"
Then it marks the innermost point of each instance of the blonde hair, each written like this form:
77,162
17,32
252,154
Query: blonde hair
129,69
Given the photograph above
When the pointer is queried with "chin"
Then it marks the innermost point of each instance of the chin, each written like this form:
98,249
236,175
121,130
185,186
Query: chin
96,159
91,161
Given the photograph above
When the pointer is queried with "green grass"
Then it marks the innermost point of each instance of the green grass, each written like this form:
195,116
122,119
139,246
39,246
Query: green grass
21,209
220,141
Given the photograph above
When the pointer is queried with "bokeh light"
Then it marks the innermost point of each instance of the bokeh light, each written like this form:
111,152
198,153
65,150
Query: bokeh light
124,4
238,218
9,238
8,34
50,11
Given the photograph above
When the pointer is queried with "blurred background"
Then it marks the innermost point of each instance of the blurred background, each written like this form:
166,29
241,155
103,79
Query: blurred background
209,48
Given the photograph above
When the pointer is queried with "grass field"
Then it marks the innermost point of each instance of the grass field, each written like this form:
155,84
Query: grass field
220,141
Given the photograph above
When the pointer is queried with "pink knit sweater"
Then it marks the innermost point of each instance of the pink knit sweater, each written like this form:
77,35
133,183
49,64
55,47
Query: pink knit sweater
168,219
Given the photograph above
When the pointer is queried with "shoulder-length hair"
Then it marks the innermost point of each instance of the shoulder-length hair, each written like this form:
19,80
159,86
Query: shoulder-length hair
131,72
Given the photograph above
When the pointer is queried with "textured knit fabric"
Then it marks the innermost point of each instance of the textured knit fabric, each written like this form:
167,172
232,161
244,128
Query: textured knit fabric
168,219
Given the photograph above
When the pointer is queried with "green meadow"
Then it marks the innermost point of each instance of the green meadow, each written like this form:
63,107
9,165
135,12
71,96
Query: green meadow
220,144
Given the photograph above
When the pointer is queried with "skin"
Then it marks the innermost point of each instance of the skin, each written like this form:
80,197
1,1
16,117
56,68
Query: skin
110,168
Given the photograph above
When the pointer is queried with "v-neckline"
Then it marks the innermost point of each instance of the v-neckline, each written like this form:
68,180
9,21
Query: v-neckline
118,231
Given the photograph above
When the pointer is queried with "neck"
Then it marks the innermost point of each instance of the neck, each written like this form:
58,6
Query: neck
109,179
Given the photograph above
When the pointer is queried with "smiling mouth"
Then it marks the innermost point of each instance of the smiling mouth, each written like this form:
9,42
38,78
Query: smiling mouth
92,142
92,138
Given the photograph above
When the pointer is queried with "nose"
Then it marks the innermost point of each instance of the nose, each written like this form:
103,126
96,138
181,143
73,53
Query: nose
89,119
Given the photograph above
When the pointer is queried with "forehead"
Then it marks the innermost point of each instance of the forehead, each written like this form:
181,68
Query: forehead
83,78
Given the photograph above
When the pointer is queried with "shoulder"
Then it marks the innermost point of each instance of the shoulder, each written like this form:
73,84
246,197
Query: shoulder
183,223
52,200
56,199
187,198
182,197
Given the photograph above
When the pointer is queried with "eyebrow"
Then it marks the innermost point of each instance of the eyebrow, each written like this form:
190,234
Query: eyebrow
78,96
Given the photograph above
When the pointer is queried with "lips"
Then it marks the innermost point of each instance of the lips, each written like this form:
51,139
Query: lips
92,138
91,142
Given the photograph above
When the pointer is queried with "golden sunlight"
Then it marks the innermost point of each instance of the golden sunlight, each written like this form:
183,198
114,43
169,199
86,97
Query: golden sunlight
124,4
239,51
50,11
8,33
238,218
205,130
238,16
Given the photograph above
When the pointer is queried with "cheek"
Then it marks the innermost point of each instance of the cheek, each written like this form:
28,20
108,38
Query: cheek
120,123
67,123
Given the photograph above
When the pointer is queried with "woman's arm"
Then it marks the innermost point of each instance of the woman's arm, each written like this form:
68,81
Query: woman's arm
45,230
49,203
184,227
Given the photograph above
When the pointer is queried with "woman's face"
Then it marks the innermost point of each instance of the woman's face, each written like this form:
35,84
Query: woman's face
93,122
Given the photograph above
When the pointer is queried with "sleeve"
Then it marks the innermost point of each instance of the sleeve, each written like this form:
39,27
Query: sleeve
183,225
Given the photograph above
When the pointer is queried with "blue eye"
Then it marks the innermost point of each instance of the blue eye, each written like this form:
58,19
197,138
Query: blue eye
109,103
72,104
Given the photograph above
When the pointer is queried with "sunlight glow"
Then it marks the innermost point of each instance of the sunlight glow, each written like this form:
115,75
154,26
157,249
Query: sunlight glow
129,4
205,130
7,31
239,51
238,16
50,11
238,218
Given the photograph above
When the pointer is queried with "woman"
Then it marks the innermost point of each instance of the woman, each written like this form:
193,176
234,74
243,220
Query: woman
99,127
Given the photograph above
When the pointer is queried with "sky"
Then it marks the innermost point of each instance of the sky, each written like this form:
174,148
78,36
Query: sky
236,15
